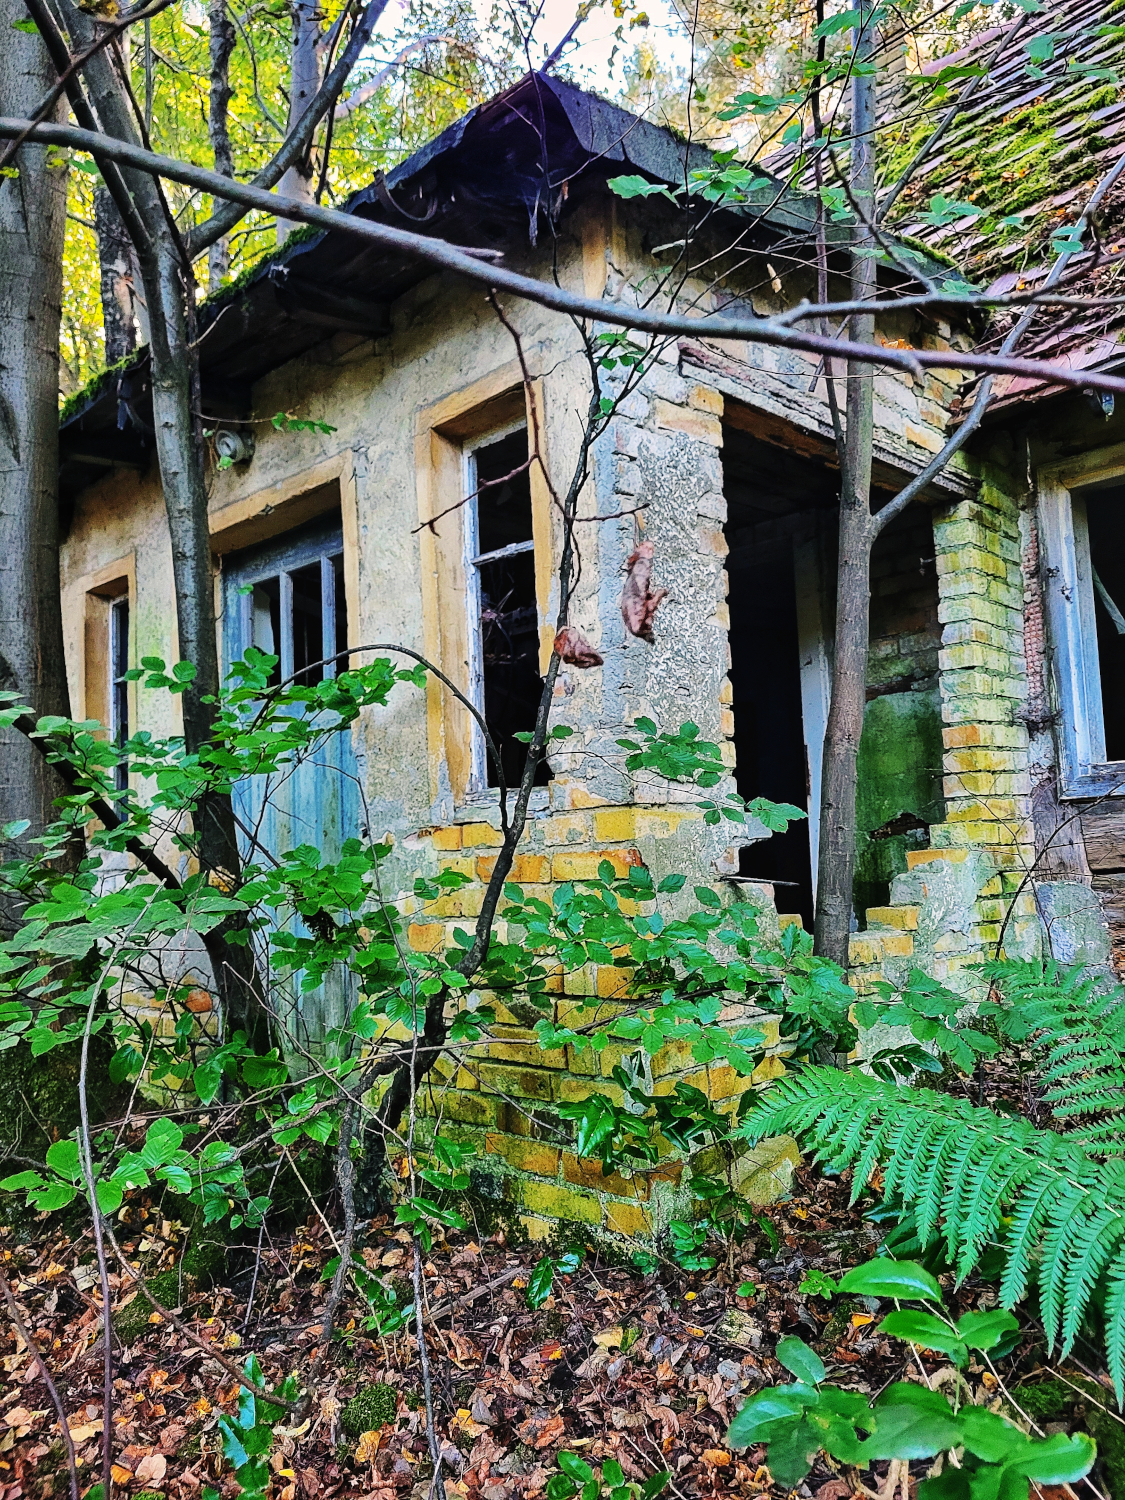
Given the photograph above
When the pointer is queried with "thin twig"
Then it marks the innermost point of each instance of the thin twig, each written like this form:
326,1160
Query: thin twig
45,1374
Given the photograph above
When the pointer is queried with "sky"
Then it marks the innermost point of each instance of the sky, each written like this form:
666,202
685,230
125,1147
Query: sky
590,58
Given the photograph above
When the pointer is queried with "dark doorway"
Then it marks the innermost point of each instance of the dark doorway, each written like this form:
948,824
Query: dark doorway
776,500
1105,517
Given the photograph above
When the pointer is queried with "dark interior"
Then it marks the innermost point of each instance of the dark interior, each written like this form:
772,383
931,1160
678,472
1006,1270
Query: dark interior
509,613
1105,515
772,495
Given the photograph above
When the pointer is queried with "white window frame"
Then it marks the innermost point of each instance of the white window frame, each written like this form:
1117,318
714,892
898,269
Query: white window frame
281,560
473,560
119,657
1068,590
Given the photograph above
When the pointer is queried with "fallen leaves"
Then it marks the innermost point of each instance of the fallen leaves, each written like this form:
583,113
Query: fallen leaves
368,1446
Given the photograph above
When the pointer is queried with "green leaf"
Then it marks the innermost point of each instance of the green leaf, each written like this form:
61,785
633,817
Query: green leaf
842,22
62,1158
911,1422
11,831
110,1195
791,1453
763,1412
575,1468
21,1182
984,1330
638,187
989,1437
1058,1460
924,1329
541,1282
25,25
797,1357
891,1278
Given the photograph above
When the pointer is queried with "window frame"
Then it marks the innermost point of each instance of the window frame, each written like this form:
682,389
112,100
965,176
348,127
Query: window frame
1072,640
318,541
472,561
117,692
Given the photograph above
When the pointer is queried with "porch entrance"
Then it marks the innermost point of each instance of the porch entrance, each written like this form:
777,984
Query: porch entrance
781,532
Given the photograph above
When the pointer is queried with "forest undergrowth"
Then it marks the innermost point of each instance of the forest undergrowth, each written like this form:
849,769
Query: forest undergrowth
645,1371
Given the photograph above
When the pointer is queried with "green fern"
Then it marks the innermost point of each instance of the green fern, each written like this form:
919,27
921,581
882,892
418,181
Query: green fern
1055,1209
1077,1034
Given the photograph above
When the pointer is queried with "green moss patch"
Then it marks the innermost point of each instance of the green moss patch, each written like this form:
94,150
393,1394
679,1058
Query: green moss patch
374,1406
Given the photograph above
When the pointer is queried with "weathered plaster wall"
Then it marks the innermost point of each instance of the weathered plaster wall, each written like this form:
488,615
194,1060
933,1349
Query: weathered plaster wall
656,473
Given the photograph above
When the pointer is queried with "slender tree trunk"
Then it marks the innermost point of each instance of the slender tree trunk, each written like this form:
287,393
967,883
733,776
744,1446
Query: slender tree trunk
222,45
169,288
853,590
304,80
115,256
32,224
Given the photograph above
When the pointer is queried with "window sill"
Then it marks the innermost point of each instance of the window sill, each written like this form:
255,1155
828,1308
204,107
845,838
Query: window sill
1104,780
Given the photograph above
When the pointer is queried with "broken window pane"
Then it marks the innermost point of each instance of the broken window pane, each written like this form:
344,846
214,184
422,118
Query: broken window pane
265,622
308,625
509,683
1105,515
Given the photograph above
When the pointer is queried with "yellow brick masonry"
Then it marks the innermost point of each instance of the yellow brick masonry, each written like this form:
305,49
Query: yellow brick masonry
985,775
500,1097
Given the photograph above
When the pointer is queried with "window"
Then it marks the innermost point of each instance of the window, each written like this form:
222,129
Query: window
504,680
1082,535
293,604
107,653
118,694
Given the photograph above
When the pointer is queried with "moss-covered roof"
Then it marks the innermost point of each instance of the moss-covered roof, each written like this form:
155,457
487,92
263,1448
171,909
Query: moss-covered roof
1027,152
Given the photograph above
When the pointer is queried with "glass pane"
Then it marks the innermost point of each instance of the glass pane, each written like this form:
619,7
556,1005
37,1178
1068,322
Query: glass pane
341,614
503,505
510,654
265,622
1105,514
308,625
119,665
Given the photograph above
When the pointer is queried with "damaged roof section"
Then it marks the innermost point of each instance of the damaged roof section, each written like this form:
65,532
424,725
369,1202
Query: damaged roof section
490,181
1027,152
484,182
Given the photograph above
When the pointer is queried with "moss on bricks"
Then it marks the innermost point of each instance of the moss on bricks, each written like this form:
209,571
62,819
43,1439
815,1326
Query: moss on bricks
374,1406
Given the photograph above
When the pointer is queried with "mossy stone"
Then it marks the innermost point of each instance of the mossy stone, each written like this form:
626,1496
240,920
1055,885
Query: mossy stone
372,1407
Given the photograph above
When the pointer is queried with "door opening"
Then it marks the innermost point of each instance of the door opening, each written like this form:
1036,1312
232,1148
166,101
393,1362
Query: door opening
780,530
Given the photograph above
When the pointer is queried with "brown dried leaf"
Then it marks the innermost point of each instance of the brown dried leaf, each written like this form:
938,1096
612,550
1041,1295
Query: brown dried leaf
639,600
575,649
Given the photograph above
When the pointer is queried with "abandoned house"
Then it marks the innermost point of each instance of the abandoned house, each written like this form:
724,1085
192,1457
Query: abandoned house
995,725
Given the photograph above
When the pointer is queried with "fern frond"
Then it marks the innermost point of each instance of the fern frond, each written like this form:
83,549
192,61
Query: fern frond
1096,1241
1115,1324
1077,1033
967,1167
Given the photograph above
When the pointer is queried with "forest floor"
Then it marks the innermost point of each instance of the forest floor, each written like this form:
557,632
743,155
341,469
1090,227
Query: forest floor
647,1370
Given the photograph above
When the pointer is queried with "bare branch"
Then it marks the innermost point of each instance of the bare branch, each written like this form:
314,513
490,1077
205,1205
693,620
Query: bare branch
470,263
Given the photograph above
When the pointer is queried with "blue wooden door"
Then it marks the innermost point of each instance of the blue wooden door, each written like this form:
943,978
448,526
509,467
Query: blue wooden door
287,598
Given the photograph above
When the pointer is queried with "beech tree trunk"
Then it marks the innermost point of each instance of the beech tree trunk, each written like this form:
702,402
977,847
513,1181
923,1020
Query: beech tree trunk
168,289
115,256
223,38
304,80
853,588
32,223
